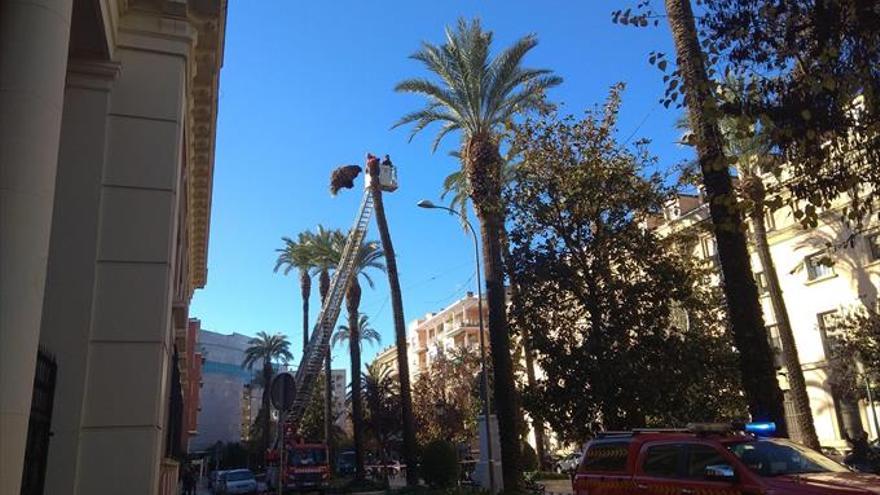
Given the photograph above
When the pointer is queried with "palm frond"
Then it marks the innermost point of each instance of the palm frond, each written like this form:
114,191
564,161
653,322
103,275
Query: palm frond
474,93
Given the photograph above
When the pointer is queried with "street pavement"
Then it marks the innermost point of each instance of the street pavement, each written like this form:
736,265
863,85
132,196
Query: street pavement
562,487
557,486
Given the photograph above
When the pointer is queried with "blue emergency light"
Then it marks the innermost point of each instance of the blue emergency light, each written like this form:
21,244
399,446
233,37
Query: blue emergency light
764,428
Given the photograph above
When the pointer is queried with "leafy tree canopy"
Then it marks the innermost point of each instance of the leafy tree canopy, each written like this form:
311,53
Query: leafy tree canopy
597,290
446,398
814,66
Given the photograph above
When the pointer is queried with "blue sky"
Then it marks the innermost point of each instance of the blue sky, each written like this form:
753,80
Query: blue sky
307,86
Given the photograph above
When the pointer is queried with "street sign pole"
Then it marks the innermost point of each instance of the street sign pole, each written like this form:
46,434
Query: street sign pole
282,393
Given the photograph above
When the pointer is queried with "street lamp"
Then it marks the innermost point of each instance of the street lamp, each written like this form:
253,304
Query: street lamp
485,376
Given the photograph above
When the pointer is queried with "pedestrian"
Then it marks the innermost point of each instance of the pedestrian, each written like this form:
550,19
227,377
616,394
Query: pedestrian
189,481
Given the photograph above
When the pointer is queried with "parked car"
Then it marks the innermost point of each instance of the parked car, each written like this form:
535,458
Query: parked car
213,480
712,459
345,463
237,481
262,482
568,464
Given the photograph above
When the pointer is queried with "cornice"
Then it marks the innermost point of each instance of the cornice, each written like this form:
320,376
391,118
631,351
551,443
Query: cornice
209,19
196,30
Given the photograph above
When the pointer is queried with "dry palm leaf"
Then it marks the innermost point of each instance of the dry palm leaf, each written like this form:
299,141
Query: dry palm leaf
343,178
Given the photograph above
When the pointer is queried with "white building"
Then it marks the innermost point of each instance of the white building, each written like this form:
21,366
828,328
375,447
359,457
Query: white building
813,292
229,403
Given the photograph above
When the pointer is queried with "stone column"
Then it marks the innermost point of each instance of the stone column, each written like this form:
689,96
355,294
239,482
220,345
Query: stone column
70,279
130,344
34,36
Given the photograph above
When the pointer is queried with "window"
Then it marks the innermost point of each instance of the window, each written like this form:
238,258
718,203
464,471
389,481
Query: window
769,220
874,246
818,265
827,323
775,457
761,282
775,344
699,457
662,460
710,249
606,457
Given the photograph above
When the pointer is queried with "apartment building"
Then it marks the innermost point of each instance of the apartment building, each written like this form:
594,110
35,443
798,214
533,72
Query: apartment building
823,271
454,327
225,384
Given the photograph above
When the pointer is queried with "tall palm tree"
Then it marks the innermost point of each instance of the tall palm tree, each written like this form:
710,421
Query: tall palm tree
456,186
406,414
754,155
298,254
262,350
326,248
368,257
477,94
749,333
362,332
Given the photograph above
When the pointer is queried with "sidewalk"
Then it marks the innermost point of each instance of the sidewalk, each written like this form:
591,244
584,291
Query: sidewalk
557,486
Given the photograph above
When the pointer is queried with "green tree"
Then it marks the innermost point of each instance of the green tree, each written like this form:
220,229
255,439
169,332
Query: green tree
382,407
477,95
744,310
298,254
446,399
855,361
581,256
369,256
409,442
814,67
262,350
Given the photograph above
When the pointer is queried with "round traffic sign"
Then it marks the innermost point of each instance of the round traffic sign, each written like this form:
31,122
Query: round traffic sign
283,391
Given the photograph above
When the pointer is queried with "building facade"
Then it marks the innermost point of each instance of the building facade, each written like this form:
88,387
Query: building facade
230,398
454,327
823,272
339,407
107,125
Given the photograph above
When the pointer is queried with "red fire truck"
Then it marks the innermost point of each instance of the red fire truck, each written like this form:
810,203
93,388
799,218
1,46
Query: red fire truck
306,467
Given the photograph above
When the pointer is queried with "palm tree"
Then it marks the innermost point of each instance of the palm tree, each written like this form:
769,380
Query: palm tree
298,254
368,256
477,95
750,334
362,332
382,403
409,433
326,247
263,349
455,185
754,155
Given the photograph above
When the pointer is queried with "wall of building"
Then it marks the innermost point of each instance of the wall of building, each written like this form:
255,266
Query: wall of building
226,404
810,294
112,153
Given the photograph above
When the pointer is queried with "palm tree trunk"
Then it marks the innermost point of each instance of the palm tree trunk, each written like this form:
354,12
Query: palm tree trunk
323,288
305,287
802,418
749,333
267,417
352,304
483,163
409,434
